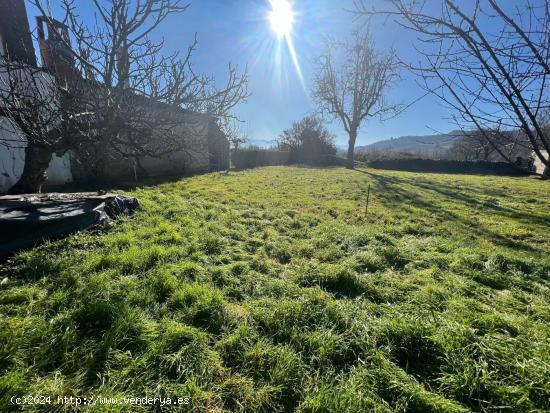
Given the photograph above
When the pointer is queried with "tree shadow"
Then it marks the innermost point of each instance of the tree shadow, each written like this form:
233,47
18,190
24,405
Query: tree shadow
390,190
450,192
114,186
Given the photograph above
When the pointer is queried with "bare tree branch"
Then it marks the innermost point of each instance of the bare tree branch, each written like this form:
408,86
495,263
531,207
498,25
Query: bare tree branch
489,62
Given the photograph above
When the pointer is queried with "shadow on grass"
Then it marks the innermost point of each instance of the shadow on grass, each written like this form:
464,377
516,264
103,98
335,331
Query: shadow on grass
390,190
112,186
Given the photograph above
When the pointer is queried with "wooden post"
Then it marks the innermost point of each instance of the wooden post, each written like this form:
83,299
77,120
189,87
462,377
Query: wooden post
367,206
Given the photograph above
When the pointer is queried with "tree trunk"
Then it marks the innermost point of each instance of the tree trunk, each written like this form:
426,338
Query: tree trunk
351,149
37,160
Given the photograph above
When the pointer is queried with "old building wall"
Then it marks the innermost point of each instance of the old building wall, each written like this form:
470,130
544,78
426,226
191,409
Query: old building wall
194,130
117,169
206,147
12,141
208,150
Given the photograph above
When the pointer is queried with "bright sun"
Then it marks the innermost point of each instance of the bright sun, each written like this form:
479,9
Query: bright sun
281,17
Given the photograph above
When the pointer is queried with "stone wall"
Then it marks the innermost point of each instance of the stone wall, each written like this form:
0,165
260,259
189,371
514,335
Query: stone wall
15,31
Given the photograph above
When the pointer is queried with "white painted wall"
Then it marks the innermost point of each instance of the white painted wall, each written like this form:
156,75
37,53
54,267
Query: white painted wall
59,171
539,166
13,141
2,51
12,155
12,159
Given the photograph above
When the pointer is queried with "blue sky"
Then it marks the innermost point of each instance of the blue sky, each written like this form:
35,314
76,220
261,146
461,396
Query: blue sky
238,31
243,36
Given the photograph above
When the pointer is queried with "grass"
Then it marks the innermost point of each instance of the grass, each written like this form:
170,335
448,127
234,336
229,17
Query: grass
269,290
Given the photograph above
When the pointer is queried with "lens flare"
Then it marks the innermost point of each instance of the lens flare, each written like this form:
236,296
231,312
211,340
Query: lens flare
281,17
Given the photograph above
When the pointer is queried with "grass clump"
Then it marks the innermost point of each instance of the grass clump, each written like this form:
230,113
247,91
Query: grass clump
199,305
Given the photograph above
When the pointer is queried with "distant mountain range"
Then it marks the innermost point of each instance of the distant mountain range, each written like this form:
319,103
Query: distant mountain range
421,145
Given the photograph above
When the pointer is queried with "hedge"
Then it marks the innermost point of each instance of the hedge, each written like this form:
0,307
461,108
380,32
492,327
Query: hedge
444,166
253,158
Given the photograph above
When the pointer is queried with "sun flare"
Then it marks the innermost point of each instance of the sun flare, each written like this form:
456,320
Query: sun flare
281,17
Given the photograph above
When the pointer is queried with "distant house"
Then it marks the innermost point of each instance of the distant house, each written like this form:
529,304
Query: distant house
207,148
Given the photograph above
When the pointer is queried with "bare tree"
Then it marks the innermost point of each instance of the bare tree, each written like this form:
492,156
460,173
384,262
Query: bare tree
34,105
236,132
487,61
353,91
115,94
473,147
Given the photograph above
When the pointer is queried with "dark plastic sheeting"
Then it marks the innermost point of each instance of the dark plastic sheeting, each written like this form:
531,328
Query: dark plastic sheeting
25,221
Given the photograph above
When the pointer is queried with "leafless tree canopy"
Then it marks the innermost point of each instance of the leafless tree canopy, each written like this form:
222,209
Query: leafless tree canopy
474,146
117,53
488,60
127,97
30,99
235,130
354,90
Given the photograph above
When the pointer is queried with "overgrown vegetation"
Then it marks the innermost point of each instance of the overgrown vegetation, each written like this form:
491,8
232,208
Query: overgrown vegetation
269,290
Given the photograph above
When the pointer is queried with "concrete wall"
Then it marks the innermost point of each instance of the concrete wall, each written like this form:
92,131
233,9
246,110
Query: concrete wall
12,159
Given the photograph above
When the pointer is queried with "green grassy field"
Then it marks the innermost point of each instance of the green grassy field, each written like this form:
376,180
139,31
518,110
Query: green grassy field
268,290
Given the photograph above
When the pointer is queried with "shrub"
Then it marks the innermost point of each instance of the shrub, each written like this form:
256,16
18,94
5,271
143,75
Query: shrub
308,141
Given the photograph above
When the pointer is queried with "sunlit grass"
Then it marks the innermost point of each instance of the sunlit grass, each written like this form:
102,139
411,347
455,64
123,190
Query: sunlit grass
269,290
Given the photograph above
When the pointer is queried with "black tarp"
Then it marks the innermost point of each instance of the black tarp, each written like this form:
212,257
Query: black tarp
27,220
